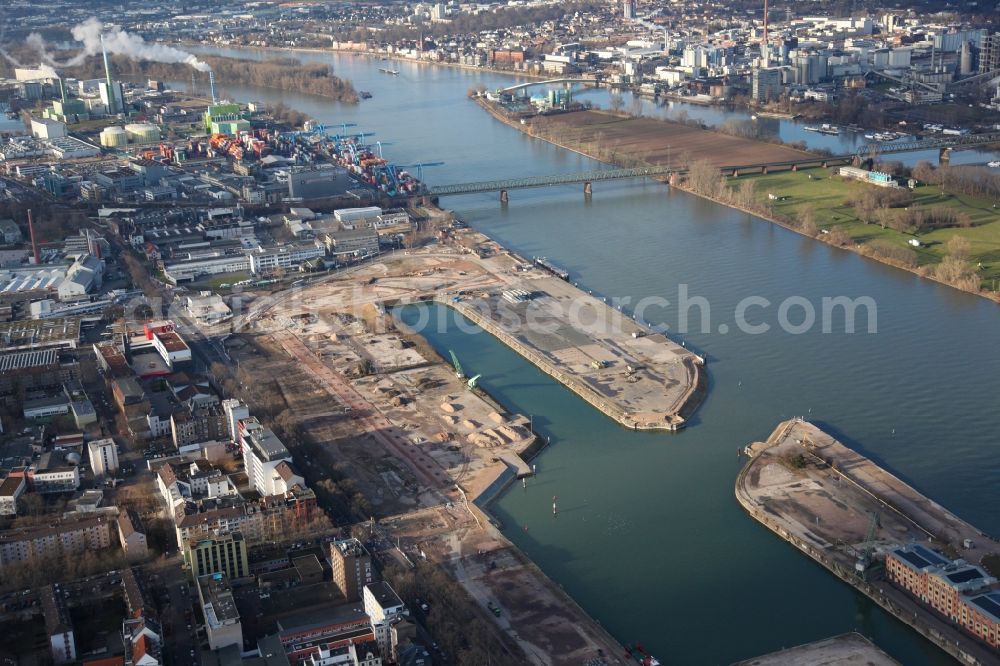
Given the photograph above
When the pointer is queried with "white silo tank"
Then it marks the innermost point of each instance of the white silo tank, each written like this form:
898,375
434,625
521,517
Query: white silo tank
114,137
143,133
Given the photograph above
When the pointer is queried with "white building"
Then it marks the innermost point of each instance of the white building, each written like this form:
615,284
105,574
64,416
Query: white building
383,607
44,128
350,214
235,411
263,452
103,457
222,620
284,257
11,489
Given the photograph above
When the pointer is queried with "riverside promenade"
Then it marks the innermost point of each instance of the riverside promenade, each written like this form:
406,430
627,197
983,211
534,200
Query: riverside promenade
820,496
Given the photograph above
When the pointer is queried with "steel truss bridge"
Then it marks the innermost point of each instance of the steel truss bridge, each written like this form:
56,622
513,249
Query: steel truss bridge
546,181
587,177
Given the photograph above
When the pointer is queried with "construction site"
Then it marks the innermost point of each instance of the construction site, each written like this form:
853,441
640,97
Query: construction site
846,513
410,436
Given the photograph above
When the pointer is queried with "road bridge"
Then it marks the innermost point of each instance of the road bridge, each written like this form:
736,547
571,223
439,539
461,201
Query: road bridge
530,84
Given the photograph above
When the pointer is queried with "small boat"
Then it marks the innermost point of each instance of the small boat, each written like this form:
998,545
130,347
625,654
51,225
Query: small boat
393,72
869,136
994,164
825,128
365,94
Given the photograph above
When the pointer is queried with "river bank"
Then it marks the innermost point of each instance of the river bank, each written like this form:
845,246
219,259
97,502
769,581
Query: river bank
372,55
820,496
617,158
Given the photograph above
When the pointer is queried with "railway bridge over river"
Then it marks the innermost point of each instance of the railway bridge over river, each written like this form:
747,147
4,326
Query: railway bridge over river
867,151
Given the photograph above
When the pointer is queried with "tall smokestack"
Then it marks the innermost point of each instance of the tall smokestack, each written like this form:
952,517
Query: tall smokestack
34,243
112,106
62,91
211,85
765,56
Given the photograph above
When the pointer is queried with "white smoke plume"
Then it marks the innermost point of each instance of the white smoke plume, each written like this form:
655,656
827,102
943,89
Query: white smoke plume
117,42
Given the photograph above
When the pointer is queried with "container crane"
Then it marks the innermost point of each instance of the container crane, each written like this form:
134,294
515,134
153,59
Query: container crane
420,168
379,144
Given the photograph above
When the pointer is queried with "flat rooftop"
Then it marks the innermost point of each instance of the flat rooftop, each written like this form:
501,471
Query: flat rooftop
920,557
28,359
58,331
220,607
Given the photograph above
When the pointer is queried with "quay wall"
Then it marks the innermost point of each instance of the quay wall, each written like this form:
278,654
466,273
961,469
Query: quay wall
845,574
606,407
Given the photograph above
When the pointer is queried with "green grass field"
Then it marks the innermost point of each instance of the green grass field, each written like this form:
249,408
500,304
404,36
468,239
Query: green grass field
828,195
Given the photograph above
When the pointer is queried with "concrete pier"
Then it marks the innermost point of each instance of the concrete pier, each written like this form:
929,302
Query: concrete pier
819,496
638,377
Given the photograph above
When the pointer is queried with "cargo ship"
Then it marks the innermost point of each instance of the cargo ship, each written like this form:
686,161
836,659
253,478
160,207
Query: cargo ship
544,263
638,652
824,129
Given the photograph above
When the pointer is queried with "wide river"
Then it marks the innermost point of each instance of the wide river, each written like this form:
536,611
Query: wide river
649,537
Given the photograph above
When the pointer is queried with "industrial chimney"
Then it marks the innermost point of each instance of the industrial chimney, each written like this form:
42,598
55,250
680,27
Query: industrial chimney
211,85
34,242
112,106
764,49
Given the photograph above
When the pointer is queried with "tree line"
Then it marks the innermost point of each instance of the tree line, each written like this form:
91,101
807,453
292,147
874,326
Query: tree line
287,74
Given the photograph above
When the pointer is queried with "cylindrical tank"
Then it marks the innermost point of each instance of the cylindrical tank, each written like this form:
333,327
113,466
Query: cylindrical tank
73,458
143,133
114,137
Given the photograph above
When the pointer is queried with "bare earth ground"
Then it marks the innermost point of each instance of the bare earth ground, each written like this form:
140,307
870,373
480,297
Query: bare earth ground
844,650
413,435
820,496
661,142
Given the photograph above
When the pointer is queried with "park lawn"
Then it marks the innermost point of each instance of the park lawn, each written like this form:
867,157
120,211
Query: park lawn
828,193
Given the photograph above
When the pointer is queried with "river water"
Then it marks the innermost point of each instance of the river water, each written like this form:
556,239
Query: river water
650,539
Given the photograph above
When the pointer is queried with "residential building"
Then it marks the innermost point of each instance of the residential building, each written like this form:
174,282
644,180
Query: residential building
132,536
226,554
63,537
142,636
766,84
383,607
198,423
54,472
222,620
103,457
352,567
11,490
262,453
235,411
58,626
